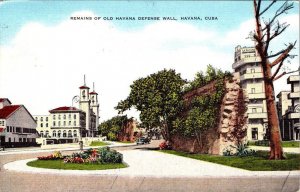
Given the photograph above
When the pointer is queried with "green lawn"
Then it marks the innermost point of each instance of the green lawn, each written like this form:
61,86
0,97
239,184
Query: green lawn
258,163
98,143
125,141
59,164
288,144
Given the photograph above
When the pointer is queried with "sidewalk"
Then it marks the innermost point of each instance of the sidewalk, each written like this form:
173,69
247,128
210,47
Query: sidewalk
145,163
68,147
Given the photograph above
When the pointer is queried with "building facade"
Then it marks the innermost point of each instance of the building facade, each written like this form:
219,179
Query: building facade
17,126
70,124
289,110
248,67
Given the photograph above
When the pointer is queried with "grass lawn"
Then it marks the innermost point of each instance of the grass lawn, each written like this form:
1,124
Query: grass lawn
59,164
98,143
288,144
257,163
125,141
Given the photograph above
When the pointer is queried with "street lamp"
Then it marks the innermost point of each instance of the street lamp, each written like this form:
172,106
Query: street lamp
76,100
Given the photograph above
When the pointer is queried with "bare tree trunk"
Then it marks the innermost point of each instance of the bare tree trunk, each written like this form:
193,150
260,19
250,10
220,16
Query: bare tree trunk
276,151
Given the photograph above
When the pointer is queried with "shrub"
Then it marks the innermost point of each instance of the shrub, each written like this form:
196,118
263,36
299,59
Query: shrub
110,156
241,151
165,146
56,155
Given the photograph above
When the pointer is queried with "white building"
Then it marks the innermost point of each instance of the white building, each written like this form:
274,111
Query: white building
69,124
289,106
17,126
247,65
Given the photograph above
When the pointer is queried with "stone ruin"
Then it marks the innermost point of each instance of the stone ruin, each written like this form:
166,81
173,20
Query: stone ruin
231,127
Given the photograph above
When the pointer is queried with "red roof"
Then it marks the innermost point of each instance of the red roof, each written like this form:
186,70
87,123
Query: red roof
3,99
8,110
93,93
83,87
64,109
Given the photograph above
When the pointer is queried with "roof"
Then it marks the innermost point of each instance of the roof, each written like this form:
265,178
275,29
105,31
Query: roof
3,99
65,108
83,87
93,93
6,111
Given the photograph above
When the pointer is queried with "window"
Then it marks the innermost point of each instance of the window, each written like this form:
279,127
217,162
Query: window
65,116
69,123
69,133
254,110
58,116
54,133
53,117
59,133
74,116
20,139
70,116
59,123
42,133
24,140
252,90
41,118
54,124
83,94
75,133
36,118
47,133
74,123
64,123
46,118
9,139
46,124
41,124
254,134
64,133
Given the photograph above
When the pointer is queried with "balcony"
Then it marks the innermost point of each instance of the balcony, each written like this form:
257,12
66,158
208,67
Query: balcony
293,78
294,95
257,116
245,61
294,116
256,95
247,76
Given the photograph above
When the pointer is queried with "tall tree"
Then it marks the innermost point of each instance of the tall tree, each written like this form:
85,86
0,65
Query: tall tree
264,34
158,98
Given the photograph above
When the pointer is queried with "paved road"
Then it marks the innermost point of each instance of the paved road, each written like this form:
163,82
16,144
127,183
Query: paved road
17,181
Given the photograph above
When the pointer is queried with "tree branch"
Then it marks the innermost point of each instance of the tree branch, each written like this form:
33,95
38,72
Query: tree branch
283,55
279,29
278,68
284,73
267,8
284,7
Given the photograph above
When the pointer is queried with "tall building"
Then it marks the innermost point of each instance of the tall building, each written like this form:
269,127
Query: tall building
17,126
69,124
290,115
247,65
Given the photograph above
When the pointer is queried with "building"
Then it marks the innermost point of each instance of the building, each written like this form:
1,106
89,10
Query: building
70,124
289,110
248,67
17,126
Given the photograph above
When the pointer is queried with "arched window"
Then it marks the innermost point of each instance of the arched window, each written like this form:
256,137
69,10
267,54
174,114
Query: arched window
41,124
54,133
58,133
64,133
47,134
75,133
69,133
42,133
83,94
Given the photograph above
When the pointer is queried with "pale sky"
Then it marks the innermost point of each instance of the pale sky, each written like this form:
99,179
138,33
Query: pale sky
44,54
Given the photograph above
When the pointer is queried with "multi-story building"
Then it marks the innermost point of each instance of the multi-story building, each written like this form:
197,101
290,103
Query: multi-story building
17,126
69,124
247,65
290,115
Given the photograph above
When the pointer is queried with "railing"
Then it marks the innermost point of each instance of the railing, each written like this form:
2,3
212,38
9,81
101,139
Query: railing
256,95
257,115
247,76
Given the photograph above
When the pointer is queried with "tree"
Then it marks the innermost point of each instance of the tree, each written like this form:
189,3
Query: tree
158,98
112,127
264,34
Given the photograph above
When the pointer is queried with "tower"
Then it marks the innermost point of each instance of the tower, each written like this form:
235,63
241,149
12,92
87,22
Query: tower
95,106
84,104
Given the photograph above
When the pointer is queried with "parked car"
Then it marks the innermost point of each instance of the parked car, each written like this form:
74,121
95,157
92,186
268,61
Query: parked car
142,140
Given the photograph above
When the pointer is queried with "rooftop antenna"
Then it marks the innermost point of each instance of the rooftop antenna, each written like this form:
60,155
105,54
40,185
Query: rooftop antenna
84,79
94,86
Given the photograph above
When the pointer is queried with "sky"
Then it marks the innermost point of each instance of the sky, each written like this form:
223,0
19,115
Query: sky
44,54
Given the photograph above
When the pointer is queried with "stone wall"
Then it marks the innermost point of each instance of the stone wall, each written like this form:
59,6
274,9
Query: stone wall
231,127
